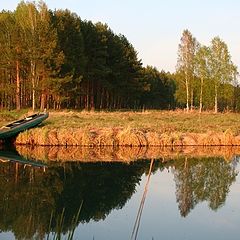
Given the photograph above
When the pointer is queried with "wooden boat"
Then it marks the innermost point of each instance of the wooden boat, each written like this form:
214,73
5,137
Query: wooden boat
12,129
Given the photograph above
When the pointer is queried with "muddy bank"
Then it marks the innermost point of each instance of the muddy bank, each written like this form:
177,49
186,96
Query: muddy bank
123,137
123,154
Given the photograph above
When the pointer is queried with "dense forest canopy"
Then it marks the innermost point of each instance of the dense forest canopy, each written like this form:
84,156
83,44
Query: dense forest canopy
53,59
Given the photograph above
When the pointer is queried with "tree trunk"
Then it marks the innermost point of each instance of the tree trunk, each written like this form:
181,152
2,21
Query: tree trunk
87,96
201,96
187,92
191,99
92,103
43,101
33,74
216,99
18,102
92,106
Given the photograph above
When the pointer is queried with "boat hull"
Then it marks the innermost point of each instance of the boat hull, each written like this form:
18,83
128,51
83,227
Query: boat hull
13,129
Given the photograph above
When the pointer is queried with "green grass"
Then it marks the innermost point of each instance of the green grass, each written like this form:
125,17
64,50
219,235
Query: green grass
8,116
160,121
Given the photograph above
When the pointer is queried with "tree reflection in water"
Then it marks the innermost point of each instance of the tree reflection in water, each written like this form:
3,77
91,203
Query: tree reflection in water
206,180
31,195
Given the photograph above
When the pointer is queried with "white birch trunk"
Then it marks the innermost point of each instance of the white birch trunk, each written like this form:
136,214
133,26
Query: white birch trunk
201,96
187,94
216,99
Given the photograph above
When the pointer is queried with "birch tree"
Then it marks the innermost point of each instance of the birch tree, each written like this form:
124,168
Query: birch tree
27,18
42,54
186,53
202,70
222,70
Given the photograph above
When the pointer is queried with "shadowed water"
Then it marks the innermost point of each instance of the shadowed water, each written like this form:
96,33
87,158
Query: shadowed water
186,198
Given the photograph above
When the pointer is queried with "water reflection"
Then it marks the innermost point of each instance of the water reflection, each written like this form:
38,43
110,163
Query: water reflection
33,193
206,180
126,154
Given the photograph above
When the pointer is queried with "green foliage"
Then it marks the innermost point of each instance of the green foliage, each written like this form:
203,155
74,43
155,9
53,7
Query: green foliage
222,70
65,62
205,74
159,89
53,59
186,64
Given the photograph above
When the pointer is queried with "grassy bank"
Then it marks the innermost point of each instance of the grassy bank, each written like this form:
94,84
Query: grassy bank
161,121
133,128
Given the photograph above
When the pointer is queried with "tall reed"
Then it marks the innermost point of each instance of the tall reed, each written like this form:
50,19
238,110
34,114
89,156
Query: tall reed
57,235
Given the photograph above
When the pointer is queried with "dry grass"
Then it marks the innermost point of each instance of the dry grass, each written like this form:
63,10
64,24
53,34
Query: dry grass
122,137
161,121
149,128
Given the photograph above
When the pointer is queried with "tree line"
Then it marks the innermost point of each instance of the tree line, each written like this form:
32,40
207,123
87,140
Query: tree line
53,59
206,76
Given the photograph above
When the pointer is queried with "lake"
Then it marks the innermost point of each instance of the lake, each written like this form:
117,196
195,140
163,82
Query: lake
182,197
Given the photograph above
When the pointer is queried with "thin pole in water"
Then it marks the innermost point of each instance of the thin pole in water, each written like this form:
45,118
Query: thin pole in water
140,210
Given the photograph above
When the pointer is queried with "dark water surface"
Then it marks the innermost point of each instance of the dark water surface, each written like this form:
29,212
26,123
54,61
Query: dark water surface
186,198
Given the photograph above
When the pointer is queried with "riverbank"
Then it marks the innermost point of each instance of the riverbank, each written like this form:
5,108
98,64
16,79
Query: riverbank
148,128
123,137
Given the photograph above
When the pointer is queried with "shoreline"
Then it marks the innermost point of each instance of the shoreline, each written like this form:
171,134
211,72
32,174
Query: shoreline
130,137
148,128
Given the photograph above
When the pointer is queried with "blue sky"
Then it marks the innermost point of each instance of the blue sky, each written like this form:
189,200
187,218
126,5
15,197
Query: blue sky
154,27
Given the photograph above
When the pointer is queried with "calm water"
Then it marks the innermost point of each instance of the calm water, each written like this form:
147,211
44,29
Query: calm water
186,198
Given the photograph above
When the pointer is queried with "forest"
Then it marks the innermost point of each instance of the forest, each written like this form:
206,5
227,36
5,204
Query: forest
54,60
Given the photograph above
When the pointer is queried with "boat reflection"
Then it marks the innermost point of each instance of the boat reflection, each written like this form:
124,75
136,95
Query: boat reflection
14,157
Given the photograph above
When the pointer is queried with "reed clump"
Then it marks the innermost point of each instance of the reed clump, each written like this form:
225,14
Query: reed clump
153,138
189,139
131,137
123,137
